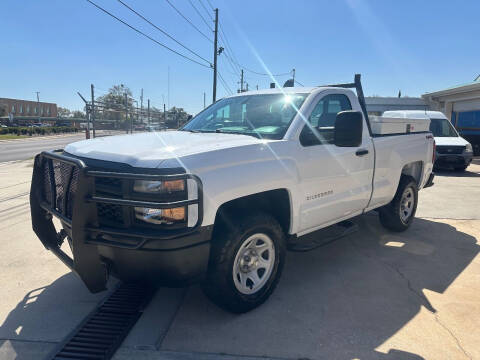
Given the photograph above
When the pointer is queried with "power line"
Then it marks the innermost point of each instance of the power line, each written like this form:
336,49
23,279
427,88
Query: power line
162,31
299,83
187,20
198,12
204,8
227,45
258,73
147,36
225,85
211,6
234,59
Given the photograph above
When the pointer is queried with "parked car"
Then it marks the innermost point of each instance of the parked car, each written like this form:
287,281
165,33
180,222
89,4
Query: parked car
219,200
452,151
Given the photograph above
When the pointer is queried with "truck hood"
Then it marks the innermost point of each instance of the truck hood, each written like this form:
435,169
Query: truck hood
457,140
149,150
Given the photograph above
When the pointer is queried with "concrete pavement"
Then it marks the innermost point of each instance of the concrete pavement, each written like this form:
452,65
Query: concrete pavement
371,295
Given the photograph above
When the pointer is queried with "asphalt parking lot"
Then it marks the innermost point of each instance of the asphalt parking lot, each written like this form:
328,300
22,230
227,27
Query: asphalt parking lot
370,295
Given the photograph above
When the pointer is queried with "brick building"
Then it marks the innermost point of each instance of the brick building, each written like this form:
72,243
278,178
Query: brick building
26,109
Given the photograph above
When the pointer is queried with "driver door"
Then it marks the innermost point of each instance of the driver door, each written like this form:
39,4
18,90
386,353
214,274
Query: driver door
336,182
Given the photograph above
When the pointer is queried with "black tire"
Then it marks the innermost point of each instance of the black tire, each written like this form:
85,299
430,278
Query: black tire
390,215
227,240
461,168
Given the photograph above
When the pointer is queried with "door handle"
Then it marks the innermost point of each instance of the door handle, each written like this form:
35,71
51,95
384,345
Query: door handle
361,152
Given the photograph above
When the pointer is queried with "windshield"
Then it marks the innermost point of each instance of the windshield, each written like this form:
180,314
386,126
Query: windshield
264,116
442,128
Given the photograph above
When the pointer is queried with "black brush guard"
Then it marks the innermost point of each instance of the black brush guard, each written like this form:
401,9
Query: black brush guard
75,207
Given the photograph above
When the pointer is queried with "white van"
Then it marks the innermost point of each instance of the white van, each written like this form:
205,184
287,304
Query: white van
452,150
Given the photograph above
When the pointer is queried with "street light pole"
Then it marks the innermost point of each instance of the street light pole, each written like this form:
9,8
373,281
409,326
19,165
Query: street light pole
38,106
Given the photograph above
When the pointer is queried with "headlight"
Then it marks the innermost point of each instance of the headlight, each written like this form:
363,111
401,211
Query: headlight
468,148
146,186
160,216
187,190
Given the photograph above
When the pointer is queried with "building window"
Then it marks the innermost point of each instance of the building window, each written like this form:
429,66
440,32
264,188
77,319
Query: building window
21,109
48,111
35,110
28,109
13,109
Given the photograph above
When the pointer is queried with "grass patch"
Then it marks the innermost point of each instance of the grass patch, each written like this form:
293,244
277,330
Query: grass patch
11,136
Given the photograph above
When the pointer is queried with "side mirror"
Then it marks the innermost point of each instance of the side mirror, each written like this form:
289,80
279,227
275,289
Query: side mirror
348,129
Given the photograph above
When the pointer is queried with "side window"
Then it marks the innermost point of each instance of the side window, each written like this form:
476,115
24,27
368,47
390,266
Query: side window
322,120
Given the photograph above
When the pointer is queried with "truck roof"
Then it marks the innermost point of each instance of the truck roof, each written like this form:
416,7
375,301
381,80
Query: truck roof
283,90
415,114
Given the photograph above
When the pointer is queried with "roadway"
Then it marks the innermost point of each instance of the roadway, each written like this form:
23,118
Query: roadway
23,149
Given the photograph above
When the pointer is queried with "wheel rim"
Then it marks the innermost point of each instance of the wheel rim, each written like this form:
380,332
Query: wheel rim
407,204
253,263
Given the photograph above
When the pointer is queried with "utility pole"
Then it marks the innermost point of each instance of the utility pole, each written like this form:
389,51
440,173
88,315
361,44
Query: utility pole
164,115
241,81
126,112
247,87
141,105
293,75
148,112
215,53
204,99
92,116
87,107
257,87
168,87
38,106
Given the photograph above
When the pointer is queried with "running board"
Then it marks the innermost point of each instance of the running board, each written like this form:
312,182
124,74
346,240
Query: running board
323,236
102,332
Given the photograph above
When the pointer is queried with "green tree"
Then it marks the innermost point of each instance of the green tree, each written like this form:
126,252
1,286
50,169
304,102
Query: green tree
77,114
111,106
63,112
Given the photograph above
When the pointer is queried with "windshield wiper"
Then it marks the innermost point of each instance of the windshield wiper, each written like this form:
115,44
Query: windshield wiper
237,133
197,131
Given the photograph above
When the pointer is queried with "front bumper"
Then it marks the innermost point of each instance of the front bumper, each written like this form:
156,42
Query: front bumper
449,161
172,257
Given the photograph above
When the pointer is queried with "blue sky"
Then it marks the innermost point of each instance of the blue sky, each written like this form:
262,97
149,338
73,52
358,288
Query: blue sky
59,47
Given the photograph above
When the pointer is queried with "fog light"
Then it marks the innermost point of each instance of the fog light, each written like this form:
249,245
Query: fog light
160,216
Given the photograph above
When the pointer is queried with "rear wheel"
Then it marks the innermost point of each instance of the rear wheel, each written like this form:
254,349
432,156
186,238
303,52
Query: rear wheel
246,261
399,214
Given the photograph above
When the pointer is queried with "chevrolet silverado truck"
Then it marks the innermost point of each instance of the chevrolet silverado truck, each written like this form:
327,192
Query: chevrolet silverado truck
220,200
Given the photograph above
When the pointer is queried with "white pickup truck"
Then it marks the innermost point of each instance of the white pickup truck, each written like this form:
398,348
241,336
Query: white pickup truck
220,200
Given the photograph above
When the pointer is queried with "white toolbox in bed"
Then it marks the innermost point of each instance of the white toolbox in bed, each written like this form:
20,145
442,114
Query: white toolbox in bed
385,125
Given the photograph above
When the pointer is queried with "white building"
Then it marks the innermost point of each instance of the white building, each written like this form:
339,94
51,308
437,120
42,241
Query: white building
461,104
376,105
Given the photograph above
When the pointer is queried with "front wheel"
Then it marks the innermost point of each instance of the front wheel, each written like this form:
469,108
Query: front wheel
246,261
399,214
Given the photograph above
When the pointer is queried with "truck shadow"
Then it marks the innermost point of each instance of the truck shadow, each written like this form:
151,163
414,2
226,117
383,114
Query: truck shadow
343,300
452,173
